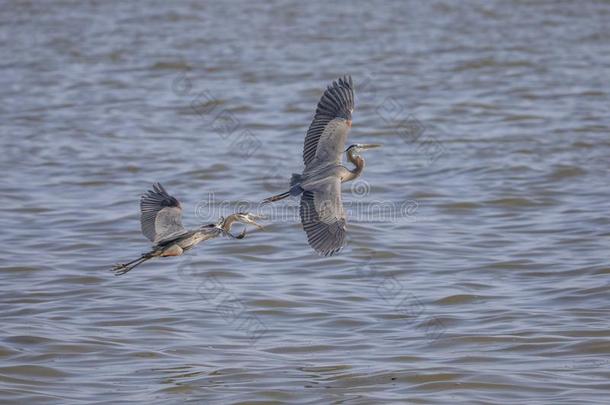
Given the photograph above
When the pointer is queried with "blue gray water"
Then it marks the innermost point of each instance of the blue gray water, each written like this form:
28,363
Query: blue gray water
477,268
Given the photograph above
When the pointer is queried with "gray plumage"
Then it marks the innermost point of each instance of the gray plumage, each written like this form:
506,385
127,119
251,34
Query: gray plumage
161,223
326,136
160,215
323,218
321,210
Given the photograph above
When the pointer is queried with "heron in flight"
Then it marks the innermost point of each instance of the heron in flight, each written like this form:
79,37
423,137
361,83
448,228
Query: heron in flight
161,222
322,213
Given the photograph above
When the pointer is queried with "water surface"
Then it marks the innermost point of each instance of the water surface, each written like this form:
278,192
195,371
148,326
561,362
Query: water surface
487,282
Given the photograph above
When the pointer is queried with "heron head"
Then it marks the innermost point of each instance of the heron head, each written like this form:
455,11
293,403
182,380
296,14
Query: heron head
356,149
225,224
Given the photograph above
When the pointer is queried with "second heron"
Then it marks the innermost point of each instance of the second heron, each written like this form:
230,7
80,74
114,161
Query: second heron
322,213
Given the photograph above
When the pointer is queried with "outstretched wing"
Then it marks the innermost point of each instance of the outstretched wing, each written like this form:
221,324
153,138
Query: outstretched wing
160,215
323,217
325,139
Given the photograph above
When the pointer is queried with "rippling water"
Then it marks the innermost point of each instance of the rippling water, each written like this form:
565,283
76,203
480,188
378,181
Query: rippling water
485,282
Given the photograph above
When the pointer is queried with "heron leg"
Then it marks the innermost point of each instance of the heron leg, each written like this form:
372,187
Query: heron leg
131,262
276,197
123,268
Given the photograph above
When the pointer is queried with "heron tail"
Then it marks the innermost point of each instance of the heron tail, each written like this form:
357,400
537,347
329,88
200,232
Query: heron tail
295,189
295,179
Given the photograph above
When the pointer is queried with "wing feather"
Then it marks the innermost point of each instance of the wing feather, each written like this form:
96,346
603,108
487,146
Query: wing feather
323,217
325,139
160,215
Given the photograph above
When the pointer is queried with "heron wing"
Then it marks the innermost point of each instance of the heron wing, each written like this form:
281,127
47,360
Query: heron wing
160,215
325,139
323,217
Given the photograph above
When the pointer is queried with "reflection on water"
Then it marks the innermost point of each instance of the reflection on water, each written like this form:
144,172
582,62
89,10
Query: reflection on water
490,286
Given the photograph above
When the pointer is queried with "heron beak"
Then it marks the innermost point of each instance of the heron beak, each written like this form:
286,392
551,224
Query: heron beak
257,225
251,219
370,146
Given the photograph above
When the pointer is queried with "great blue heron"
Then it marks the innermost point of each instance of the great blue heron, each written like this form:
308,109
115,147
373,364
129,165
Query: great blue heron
319,185
161,222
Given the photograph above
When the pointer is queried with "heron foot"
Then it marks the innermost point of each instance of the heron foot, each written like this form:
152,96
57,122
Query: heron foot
120,269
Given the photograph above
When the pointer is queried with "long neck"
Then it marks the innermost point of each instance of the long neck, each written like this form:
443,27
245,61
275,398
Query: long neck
358,161
228,222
